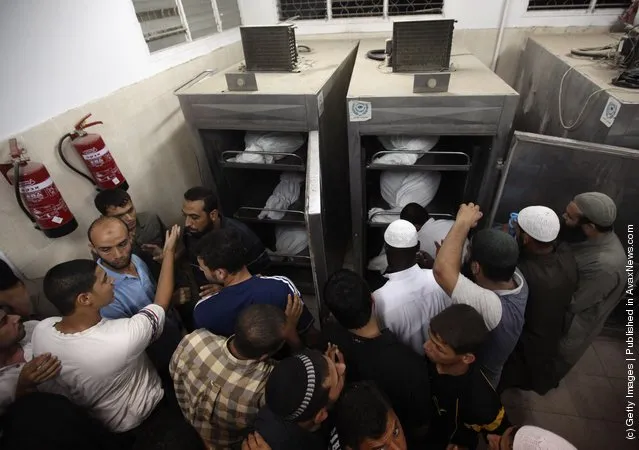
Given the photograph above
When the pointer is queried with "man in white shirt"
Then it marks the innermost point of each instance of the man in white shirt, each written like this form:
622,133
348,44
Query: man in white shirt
104,367
19,371
499,292
411,296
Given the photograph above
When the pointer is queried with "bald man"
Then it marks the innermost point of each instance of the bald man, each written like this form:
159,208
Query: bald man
133,286
601,262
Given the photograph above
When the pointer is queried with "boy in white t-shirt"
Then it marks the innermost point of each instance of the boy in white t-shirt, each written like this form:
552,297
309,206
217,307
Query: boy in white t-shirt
104,367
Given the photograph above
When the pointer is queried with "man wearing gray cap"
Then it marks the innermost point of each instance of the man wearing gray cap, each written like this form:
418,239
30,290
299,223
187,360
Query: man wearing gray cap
551,274
499,291
601,262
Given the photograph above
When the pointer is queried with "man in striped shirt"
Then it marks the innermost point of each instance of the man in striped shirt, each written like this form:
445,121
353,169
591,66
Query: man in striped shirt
221,257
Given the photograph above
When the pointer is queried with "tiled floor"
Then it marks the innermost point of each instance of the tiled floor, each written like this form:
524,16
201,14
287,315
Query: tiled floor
589,406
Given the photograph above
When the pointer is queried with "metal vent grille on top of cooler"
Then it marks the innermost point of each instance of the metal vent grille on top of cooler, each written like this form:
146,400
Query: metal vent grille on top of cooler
423,45
269,48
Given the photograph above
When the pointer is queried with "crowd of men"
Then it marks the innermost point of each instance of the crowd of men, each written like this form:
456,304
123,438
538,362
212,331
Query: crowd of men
170,339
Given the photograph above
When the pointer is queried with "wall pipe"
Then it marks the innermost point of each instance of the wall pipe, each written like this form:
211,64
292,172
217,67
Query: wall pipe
500,35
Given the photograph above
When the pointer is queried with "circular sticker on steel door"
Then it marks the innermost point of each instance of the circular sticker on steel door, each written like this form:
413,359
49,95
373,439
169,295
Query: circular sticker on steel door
359,111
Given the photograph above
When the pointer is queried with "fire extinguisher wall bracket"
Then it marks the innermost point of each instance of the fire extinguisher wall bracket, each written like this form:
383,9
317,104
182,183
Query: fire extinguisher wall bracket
97,158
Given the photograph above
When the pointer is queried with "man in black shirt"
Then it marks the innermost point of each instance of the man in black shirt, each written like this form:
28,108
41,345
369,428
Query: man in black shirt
365,421
299,394
551,273
375,354
465,402
201,215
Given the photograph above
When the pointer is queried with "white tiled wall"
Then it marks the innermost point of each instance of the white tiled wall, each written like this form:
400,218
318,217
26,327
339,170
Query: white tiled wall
145,130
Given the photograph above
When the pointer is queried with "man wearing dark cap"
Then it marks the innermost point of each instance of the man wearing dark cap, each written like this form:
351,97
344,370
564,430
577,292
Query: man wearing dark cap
499,291
601,262
299,394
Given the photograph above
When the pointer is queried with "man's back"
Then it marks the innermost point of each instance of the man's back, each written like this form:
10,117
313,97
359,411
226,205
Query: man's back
407,302
396,369
104,368
218,394
219,313
503,339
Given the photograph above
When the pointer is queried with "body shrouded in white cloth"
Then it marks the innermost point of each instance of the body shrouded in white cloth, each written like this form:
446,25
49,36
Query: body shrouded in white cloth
268,142
404,146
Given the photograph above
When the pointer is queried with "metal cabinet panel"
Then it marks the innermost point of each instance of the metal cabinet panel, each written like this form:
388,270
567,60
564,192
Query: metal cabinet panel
550,171
472,115
253,112
315,225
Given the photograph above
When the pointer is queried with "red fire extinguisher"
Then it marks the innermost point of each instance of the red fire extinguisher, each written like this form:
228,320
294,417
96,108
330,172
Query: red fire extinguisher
105,173
33,185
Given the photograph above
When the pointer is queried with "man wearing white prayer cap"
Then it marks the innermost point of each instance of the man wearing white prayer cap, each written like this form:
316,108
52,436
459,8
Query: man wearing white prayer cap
601,262
551,273
528,437
411,296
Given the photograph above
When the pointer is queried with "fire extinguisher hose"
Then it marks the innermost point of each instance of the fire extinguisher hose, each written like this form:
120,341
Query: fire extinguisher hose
16,185
66,161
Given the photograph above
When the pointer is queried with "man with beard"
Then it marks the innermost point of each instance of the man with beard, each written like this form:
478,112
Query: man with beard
201,215
499,291
601,262
134,287
20,373
551,274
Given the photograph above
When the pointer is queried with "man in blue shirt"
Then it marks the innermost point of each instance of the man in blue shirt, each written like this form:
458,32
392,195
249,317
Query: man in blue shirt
134,286
222,259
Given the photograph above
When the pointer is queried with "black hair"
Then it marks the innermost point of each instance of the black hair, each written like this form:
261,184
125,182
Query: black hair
259,330
497,253
348,298
401,258
111,198
461,327
103,219
201,193
222,249
64,282
361,413
415,214
8,279
497,273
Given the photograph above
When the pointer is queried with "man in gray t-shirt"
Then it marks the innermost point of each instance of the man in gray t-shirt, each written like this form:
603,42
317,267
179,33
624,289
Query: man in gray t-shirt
499,292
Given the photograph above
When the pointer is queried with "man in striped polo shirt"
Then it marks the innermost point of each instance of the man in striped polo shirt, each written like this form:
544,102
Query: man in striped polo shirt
222,259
